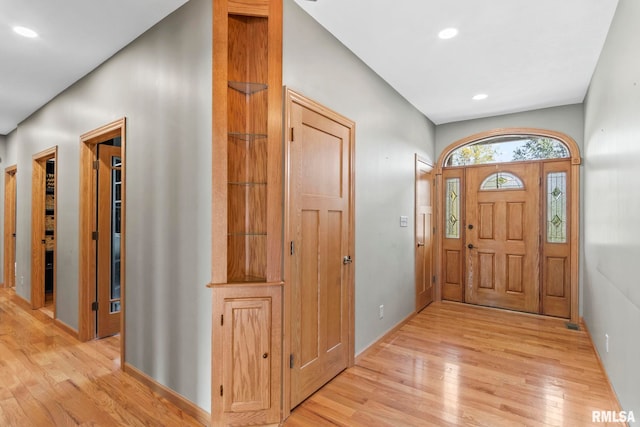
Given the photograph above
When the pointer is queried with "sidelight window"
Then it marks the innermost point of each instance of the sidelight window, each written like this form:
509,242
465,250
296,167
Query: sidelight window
557,207
452,210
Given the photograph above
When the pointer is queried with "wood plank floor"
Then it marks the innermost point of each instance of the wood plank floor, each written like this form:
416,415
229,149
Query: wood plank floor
48,378
452,365
460,365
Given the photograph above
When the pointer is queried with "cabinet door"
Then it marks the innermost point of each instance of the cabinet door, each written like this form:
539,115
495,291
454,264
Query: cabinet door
247,370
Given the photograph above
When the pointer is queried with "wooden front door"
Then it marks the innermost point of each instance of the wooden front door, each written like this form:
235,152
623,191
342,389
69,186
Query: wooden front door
109,232
424,231
10,227
502,220
320,232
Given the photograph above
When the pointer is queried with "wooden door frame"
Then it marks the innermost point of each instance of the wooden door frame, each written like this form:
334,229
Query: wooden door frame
87,275
419,159
292,97
574,211
9,247
38,198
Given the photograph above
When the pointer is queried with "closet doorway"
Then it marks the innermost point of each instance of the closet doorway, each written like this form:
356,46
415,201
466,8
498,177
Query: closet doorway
43,231
101,291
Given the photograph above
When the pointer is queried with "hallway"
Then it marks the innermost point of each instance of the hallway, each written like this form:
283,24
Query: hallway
451,365
48,378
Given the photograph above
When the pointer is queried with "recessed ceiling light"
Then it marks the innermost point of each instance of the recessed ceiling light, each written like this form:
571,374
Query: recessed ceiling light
25,32
448,33
480,96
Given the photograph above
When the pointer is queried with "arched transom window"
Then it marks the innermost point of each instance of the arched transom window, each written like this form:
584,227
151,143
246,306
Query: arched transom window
508,148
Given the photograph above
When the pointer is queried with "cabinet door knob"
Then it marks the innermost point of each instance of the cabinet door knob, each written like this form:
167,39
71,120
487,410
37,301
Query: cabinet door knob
264,356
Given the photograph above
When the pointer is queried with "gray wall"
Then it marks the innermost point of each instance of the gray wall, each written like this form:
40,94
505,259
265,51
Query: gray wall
11,152
162,84
389,131
567,119
612,205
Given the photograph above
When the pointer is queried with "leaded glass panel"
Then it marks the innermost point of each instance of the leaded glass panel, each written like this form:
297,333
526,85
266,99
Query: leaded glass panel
557,207
501,181
452,211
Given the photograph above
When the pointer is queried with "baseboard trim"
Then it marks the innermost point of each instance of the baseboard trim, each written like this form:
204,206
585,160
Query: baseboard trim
176,399
606,375
68,329
391,331
21,302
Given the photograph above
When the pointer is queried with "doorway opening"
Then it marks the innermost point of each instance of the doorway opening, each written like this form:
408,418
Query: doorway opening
102,234
508,215
43,231
10,226
424,226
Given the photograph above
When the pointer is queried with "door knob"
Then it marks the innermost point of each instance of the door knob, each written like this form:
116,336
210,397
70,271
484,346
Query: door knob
420,244
470,226
470,246
347,260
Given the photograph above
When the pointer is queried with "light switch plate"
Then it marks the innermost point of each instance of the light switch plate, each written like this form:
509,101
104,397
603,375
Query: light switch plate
404,221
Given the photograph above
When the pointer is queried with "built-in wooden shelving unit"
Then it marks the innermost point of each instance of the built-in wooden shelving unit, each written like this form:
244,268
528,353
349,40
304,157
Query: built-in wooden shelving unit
247,212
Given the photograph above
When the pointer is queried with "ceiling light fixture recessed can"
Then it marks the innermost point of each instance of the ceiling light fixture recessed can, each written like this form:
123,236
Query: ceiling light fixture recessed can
448,33
25,32
480,97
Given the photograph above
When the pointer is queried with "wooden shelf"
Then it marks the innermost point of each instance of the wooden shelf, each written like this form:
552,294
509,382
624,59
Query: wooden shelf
248,88
247,136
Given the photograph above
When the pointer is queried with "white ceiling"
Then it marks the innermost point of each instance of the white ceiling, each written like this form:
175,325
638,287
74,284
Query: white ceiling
75,36
523,54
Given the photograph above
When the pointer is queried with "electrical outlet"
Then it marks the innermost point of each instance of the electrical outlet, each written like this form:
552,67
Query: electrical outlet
606,342
381,311
21,280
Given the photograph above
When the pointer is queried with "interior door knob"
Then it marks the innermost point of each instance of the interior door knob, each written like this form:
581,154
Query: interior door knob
420,244
470,246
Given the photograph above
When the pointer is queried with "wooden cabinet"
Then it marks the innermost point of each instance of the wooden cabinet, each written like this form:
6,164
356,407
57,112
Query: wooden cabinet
247,372
247,208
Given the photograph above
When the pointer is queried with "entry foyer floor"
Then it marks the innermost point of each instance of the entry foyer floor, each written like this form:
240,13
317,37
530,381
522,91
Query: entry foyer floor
451,365
461,365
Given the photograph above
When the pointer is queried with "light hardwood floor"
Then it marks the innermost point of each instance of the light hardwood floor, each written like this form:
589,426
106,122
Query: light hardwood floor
48,378
451,365
461,365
